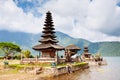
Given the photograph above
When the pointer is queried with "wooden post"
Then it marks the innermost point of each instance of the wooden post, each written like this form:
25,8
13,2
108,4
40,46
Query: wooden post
56,58
36,59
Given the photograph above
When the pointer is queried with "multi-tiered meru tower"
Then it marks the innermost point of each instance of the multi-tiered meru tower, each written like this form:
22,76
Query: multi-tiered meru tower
48,44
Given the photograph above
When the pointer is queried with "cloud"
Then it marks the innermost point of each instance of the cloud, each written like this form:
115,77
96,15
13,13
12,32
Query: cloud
93,35
30,6
104,17
94,20
13,18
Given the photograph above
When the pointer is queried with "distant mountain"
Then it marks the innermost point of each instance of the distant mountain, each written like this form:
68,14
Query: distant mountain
106,48
28,40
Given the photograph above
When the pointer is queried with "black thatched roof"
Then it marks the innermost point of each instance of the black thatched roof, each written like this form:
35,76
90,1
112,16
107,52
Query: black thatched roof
73,47
86,49
48,31
48,35
48,40
48,46
49,28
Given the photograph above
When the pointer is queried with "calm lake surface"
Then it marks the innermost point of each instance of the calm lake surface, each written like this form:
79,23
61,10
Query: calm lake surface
106,72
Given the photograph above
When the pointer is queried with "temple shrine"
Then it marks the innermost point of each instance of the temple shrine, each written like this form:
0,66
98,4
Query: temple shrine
48,44
86,52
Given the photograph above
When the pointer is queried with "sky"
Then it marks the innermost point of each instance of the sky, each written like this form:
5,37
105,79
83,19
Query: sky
94,20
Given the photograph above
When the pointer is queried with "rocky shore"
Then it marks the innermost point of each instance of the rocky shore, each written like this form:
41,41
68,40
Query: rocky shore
47,72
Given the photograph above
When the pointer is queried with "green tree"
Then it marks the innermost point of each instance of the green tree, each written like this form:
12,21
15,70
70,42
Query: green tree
17,56
26,53
9,49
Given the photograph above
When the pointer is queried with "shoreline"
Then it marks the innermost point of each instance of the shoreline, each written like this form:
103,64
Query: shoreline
9,74
48,72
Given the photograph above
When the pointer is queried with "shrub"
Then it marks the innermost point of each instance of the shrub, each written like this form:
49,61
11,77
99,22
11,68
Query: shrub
1,57
16,66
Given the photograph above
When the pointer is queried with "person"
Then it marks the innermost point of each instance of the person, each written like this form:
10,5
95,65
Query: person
69,68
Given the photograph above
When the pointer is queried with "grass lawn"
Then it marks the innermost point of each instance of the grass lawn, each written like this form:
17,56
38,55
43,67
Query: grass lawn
16,64
10,62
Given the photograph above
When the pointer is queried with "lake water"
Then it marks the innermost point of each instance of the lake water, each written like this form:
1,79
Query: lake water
106,72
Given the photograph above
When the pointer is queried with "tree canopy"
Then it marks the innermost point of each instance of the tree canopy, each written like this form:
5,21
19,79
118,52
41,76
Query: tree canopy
9,48
26,53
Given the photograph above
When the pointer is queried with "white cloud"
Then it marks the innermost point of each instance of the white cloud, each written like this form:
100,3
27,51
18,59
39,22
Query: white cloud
94,21
93,35
103,17
13,18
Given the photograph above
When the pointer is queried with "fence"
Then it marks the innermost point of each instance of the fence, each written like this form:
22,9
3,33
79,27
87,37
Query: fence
40,60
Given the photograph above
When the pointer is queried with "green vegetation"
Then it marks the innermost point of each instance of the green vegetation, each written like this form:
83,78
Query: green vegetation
1,57
61,64
9,49
23,66
80,64
17,66
26,53
17,56
73,64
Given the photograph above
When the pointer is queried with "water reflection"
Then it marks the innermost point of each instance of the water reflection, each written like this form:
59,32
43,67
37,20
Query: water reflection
107,72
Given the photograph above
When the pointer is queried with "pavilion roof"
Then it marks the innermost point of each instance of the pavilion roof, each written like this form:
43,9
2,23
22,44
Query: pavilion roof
73,47
87,53
48,46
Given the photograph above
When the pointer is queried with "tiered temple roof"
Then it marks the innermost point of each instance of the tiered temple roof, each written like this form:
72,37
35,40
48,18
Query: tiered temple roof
73,47
48,40
86,51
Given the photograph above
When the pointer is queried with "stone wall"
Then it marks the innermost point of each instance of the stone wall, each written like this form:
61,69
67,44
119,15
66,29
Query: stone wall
53,71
